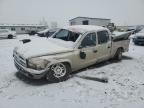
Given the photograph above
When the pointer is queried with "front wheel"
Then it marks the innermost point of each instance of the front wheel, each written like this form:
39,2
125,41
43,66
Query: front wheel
58,72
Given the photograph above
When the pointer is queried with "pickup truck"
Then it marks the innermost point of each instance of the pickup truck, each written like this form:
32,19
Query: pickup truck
70,49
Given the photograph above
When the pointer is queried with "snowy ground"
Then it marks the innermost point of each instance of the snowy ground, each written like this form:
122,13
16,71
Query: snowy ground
125,87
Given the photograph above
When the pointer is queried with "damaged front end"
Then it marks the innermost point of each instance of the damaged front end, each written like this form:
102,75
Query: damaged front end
35,68
37,63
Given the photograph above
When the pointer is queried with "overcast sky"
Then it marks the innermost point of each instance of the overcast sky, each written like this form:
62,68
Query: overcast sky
122,12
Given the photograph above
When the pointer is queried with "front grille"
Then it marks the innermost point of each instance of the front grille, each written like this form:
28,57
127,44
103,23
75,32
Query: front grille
19,59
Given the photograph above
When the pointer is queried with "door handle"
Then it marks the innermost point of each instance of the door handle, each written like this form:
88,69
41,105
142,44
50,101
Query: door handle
95,51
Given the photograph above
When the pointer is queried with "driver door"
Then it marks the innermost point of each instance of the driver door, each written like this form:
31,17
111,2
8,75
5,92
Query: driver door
88,50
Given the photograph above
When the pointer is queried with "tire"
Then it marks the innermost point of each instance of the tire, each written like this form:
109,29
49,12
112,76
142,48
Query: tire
58,72
118,55
10,36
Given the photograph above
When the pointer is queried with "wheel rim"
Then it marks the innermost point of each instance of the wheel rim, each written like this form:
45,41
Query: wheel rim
59,70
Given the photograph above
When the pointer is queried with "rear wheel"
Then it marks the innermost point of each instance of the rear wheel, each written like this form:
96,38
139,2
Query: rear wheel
10,36
118,55
58,72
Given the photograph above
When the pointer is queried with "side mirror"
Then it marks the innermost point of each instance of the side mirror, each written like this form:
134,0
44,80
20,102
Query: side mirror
82,55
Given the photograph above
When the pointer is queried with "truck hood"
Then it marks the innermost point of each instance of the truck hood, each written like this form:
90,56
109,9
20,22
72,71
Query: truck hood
41,47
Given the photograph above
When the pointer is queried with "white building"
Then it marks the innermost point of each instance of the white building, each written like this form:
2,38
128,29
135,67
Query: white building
23,28
89,21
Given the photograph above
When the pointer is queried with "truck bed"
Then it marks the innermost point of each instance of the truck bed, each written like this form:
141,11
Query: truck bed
122,40
119,36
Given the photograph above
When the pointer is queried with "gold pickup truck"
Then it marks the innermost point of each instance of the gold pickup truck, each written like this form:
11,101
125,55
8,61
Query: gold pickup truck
69,49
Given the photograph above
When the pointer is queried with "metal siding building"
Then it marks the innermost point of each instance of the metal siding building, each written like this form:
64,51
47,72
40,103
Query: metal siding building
23,28
89,21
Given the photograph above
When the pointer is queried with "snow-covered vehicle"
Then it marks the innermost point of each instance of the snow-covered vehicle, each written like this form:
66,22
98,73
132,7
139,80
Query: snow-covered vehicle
47,32
135,29
5,33
42,33
138,38
70,49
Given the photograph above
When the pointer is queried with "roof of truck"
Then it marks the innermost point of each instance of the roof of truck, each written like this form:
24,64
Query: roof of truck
84,28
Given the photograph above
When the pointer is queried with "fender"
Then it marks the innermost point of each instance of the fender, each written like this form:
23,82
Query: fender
54,61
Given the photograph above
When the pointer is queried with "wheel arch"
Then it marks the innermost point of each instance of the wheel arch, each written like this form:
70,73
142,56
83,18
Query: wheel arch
65,61
122,49
10,34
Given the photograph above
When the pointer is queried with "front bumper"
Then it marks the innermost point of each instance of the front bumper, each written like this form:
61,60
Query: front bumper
31,73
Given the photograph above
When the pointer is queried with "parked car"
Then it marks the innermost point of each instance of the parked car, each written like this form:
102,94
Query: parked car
42,33
5,33
135,29
70,49
138,38
47,32
32,32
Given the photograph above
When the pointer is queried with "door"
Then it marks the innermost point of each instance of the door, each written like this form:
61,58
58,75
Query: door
104,45
88,50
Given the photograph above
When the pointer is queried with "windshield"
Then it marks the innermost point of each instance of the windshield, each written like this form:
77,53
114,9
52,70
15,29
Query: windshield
66,35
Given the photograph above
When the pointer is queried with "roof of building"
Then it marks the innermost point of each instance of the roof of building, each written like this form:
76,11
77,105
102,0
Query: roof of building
84,28
89,18
21,25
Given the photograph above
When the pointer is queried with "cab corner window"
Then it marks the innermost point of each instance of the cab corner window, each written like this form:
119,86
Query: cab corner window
103,37
89,40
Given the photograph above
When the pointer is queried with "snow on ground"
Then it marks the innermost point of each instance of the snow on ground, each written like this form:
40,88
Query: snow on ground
125,87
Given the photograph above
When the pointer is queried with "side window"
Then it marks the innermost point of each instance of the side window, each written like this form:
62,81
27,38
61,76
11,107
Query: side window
73,36
103,37
13,29
23,29
89,40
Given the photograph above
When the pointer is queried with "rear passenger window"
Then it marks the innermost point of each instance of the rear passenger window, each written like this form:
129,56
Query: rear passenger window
103,37
89,40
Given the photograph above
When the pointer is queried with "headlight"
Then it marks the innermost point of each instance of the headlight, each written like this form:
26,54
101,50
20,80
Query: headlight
37,63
